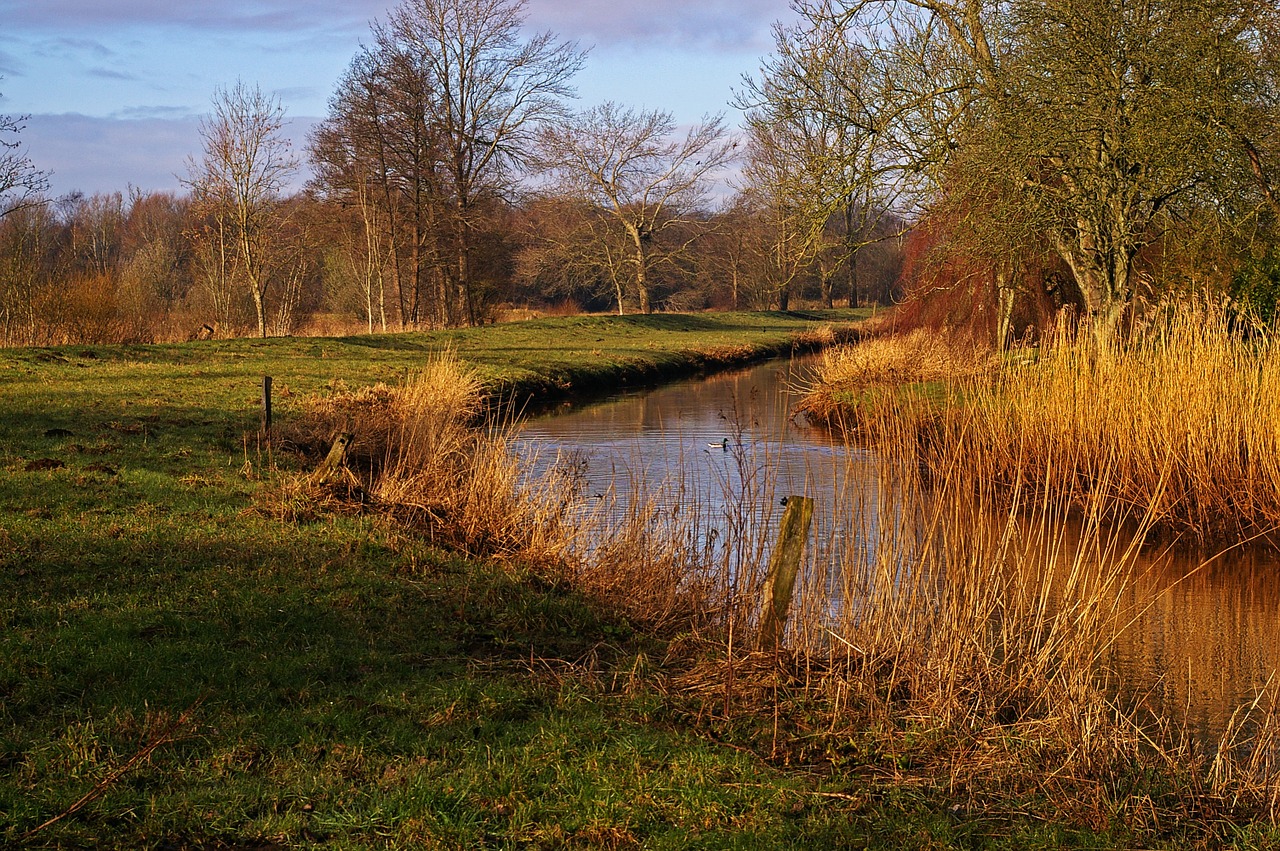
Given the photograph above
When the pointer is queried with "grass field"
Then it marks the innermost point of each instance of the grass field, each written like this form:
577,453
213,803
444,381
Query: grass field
180,670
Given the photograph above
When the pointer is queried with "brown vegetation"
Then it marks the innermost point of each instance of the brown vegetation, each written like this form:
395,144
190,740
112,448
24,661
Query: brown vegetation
1179,418
951,634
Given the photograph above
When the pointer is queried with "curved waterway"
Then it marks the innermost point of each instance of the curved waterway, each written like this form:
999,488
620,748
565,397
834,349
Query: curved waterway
1204,643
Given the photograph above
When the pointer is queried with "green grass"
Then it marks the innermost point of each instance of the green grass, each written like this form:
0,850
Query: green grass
347,685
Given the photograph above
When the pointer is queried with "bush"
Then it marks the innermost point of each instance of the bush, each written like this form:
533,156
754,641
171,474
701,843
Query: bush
1256,288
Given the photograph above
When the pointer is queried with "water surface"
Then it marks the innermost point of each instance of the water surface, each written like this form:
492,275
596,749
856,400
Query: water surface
1206,637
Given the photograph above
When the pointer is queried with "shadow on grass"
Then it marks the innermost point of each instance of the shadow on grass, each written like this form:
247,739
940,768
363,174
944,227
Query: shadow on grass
347,685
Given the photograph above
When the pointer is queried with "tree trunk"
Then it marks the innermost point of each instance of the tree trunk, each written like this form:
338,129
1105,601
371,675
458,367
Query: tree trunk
853,279
642,262
1005,292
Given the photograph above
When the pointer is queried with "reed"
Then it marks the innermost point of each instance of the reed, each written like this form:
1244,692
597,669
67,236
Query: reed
1184,408
992,563
850,379
421,456
1184,418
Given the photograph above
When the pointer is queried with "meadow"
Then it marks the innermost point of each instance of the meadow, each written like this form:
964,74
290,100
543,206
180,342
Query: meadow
206,645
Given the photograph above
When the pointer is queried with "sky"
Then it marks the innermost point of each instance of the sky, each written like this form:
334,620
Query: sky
114,89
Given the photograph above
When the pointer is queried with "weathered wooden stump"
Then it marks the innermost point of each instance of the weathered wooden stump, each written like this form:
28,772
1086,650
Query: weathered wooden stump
783,567
336,458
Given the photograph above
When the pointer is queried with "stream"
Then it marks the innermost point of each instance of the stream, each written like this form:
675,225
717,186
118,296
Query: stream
1204,644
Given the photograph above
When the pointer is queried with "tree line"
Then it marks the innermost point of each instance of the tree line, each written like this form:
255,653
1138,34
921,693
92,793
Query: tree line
453,181
995,161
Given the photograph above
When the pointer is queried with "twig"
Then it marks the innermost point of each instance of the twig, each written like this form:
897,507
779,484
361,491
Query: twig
166,736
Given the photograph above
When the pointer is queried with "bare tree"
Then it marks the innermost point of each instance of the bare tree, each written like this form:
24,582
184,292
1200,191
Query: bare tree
435,118
631,166
815,156
28,240
379,148
247,163
775,191
21,183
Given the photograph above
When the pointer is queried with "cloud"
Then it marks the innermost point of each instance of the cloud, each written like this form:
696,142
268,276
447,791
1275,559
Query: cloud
167,113
290,94
72,48
111,74
90,154
715,24
234,15
729,25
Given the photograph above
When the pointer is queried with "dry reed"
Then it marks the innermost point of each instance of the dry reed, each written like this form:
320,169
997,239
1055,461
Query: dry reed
993,560
419,455
851,374
1184,418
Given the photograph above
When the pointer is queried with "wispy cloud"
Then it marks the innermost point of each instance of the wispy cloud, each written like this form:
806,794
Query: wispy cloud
90,154
67,47
10,65
236,15
714,24
165,113
730,25
112,74
298,93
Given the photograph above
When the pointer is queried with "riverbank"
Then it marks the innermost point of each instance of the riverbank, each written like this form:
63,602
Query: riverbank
199,655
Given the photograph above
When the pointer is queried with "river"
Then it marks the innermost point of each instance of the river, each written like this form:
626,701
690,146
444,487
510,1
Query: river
1204,644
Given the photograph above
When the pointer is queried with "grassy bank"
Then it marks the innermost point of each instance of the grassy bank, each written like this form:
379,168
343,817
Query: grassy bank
205,647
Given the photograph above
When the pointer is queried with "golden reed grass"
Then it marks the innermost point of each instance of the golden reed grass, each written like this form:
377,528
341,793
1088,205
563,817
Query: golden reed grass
423,456
994,560
1184,410
420,455
1185,418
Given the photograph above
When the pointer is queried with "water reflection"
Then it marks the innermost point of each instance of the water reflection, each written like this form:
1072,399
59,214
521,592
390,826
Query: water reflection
1205,639
726,445
1198,640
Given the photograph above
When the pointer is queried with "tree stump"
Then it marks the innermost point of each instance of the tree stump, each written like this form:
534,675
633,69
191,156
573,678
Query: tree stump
783,567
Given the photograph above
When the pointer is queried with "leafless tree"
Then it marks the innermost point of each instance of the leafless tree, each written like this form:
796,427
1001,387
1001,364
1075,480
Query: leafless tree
437,117
21,183
633,167
246,165
815,156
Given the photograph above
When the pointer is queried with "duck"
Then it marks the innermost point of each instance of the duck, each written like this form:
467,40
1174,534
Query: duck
724,444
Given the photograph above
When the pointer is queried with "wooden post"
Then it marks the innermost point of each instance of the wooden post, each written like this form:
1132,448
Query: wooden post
336,458
783,567
266,406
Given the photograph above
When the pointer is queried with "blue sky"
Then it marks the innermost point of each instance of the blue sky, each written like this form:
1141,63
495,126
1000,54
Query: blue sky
115,88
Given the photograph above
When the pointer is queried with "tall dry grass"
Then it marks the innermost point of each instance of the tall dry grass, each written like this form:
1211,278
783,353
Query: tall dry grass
993,560
1184,409
962,607
421,455
849,375
1184,418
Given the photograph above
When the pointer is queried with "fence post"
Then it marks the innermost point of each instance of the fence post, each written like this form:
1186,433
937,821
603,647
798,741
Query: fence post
266,407
783,567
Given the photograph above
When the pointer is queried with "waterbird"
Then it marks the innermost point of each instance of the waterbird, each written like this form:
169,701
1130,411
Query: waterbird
724,444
